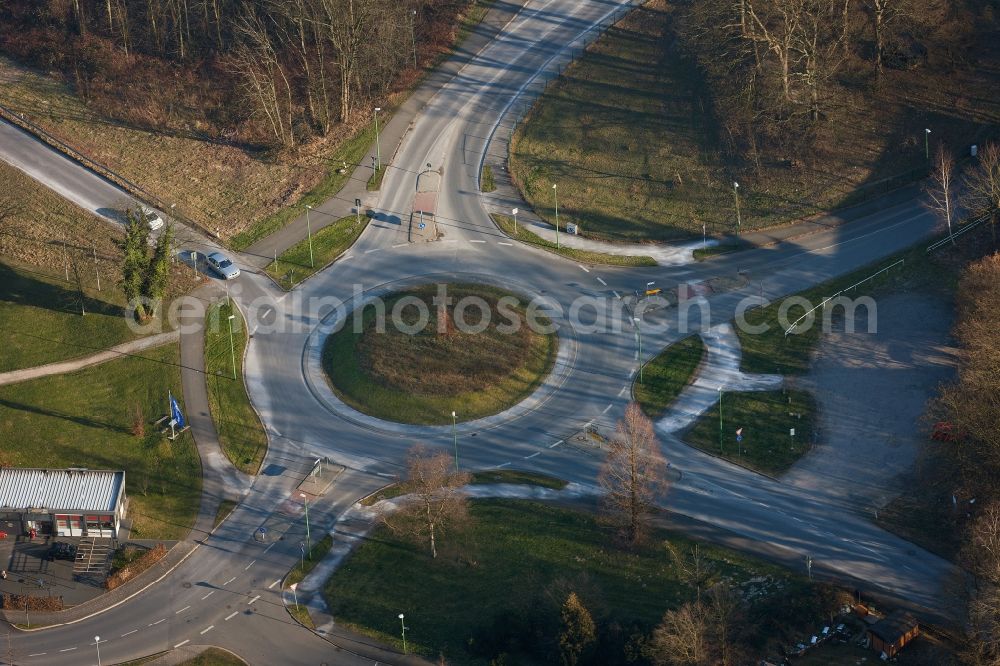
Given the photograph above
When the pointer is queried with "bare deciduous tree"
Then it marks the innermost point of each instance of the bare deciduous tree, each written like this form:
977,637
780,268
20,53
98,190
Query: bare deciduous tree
438,500
577,633
982,553
941,188
982,187
634,474
681,638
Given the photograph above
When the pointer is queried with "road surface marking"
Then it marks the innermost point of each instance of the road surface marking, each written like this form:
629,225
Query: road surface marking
620,393
449,240
502,465
273,584
208,595
346,257
182,643
532,455
269,546
249,565
584,268
207,629
605,411
552,446
181,610
230,580
635,356
602,282
68,649
38,654
398,245
507,244
231,615
253,600
374,249
617,295
157,622
129,633
631,373
477,241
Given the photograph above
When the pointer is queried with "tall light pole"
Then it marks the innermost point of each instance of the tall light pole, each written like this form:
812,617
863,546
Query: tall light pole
927,144
97,642
720,421
638,333
736,193
514,213
555,197
402,625
454,433
378,148
312,263
413,36
232,344
305,501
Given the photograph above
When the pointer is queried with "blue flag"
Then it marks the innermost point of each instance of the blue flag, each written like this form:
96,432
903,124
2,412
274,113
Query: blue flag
175,411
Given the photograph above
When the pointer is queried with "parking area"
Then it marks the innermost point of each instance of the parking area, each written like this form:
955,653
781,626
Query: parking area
76,575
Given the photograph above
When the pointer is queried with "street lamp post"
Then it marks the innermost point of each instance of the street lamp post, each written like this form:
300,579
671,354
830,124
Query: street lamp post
927,144
302,557
312,263
638,332
97,642
305,501
454,433
402,625
514,213
736,193
232,344
413,36
720,421
555,196
378,148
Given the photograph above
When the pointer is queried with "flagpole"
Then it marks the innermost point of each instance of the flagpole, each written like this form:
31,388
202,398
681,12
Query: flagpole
170,410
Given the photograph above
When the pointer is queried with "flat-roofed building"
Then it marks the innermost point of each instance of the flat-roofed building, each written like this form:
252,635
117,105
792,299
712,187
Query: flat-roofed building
62,502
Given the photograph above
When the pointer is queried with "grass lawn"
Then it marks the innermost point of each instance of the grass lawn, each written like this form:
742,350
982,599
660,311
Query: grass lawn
225,508
496,585
701,254
506,224
214,657
240,432
82,420
41,321
329,243
374,183
766,417
665,376
313,557
422,378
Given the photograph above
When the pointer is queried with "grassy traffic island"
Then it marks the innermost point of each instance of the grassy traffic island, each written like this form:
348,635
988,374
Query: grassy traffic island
473,360
664,377
296,264
497,586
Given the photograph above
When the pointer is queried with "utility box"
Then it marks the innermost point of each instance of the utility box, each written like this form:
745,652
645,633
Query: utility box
573,229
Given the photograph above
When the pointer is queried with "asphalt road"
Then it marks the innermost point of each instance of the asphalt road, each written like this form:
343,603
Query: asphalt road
225,592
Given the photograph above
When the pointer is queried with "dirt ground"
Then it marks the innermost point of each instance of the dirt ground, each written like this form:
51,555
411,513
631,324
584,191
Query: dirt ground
872,390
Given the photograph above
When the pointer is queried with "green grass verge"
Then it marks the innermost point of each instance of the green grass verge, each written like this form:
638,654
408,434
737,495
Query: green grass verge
766,417
292,266
422,378
501,580
665,376
351,152
701,254
225,508
41,323
214,657
82,419
301,615
375,180
240,432
315,555
506,225
487,183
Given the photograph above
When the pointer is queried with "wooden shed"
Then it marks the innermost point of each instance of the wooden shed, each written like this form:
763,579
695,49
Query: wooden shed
891,633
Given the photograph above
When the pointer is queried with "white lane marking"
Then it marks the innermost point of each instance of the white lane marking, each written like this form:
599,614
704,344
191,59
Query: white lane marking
68,649
449,240
602,282
182,643
584,268
532,455
398,245
230,580
231,615
622,392
502,465
181,610
38,654
253,600
207,629
249,565
270,544
129,633
208,595
477,241
552,446
163,619
374,249
617,295
273,584
635,356
605,410
507,244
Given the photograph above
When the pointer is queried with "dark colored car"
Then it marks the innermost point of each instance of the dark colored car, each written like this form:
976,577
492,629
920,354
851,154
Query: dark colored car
61,550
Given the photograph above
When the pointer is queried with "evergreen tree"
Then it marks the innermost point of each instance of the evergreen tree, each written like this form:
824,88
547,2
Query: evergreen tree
577,634
135,262
158,271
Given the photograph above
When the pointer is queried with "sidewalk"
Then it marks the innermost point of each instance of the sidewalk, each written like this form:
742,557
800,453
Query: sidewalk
124,349
391,136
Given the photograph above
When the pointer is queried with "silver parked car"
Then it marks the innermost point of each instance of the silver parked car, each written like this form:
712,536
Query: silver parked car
151,217
221,264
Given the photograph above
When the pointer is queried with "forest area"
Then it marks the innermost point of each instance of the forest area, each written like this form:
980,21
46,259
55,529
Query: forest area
275,74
